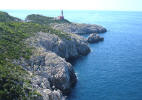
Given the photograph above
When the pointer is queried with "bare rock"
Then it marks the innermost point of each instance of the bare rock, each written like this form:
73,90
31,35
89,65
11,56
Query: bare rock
93,38
51,70
42,86
79,28
53,75
66,48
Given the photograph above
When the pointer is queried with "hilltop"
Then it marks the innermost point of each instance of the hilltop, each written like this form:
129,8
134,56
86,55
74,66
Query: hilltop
5,17
65,25
40,19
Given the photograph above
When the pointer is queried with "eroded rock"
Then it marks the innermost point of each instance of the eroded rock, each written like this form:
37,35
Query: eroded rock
53,75
93,38
66,48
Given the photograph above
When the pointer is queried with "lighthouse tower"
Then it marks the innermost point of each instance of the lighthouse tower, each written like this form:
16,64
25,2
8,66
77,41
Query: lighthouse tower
62,13
62,16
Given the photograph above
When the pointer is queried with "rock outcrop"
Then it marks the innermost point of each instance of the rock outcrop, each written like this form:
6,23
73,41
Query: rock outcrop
53,75
79,28
42,86
58,72
65,25
66,48
93,38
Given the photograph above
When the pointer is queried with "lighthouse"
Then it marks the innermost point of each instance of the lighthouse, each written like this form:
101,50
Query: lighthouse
62,13
62,16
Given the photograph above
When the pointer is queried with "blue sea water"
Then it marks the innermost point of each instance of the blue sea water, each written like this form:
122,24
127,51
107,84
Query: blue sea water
113,69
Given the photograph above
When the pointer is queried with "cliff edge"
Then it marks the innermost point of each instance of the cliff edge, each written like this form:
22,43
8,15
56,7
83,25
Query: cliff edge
34,56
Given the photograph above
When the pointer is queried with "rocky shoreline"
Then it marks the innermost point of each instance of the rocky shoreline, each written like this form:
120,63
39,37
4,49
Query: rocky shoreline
52,66
50,63
79,28
54,43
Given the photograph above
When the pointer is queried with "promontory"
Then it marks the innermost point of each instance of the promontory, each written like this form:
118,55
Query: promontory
34,55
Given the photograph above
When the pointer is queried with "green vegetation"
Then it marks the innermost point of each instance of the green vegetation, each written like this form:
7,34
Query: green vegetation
5,17
13,32
12,82
12,47
44,20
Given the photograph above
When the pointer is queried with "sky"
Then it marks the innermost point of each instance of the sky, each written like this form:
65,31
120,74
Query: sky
113,5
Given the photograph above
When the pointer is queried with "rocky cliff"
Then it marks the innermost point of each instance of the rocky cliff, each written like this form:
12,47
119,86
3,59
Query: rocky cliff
34,56
51,75
49,61
67,48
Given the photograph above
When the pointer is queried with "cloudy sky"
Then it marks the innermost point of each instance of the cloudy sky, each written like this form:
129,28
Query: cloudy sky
120,5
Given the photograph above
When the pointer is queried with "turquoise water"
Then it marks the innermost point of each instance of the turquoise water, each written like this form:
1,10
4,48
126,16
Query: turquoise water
113,69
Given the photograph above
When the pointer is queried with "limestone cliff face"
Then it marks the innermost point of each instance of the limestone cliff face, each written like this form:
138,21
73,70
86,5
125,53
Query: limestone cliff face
53,75
66,48
79,28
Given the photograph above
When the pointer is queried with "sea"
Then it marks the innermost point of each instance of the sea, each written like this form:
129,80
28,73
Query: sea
113,68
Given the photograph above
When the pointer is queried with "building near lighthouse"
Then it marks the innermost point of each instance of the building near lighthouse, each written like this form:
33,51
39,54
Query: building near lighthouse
62,16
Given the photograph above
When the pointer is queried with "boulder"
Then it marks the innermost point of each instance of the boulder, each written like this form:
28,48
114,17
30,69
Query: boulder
93,38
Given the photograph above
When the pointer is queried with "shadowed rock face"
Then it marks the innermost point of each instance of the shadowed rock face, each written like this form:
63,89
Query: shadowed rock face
79,28
62,73
65,48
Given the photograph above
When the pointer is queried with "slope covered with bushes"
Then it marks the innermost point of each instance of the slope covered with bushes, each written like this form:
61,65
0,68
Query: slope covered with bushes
5,17
40,19
14,84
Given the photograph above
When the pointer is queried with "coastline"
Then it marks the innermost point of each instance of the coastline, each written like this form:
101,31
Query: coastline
53,76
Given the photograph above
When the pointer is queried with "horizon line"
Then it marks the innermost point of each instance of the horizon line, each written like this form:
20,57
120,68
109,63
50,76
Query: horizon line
75,10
